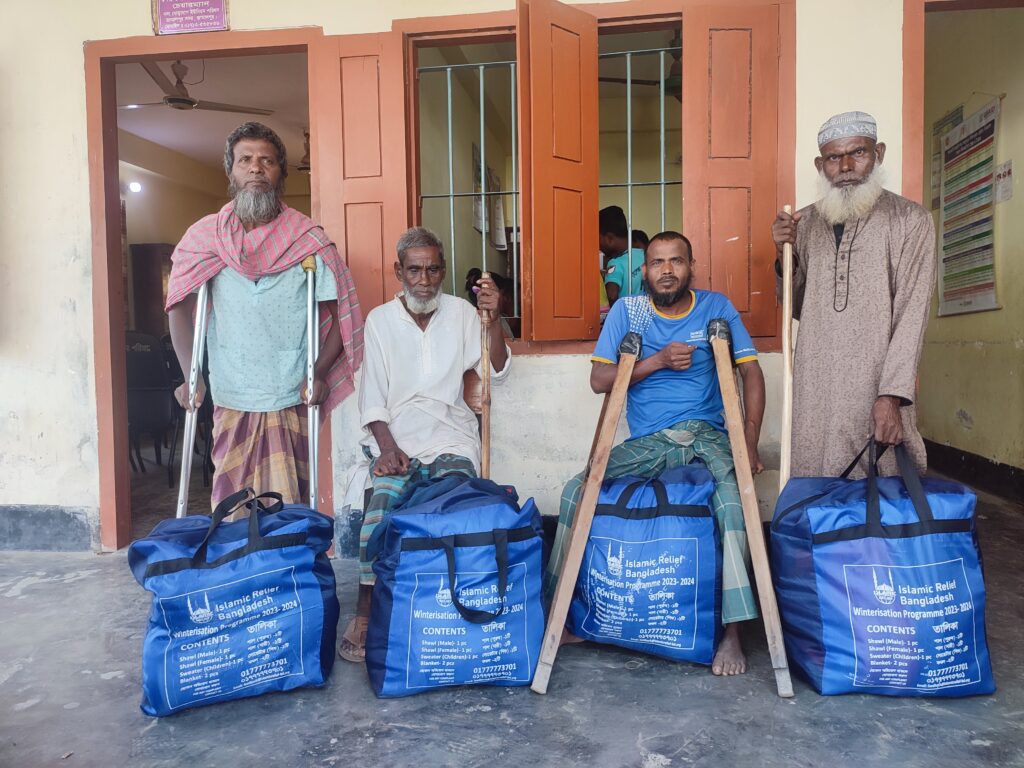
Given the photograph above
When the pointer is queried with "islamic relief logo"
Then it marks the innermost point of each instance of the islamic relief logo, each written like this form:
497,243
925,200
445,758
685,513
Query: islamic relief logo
200,614
444,595
614,563
884,593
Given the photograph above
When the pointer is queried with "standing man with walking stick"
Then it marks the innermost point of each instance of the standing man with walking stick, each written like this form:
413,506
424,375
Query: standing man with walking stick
249,256
863,276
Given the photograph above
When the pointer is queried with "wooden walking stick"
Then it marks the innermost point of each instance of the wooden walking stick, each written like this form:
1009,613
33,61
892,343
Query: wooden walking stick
719,336
786,447
629,350
485,394
192,415
312,352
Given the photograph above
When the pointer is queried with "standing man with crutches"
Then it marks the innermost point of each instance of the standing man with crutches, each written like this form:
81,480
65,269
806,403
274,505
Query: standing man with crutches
271,275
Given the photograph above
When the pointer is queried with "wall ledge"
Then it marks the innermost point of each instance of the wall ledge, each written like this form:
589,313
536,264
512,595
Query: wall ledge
976,471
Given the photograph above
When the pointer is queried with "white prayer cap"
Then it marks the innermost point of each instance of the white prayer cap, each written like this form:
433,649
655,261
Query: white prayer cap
846,125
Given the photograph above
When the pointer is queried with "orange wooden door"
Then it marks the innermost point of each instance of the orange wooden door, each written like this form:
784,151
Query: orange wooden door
357,109
730,165
557,55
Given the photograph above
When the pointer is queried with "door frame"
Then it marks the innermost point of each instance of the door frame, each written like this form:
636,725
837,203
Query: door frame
107,282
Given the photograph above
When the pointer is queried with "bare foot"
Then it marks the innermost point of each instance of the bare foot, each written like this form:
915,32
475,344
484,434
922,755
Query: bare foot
729,658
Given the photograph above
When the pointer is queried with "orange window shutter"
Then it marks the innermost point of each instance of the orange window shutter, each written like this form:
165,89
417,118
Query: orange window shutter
558,121
357,104
730,162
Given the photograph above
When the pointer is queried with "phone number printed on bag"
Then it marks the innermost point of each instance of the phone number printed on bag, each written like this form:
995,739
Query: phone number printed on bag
445,649
643,591
912,625
231,636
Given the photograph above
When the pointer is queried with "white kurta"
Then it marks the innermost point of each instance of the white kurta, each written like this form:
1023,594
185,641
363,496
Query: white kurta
412,379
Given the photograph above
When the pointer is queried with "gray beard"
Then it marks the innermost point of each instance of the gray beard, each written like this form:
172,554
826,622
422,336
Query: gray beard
418,306
839,205
256,206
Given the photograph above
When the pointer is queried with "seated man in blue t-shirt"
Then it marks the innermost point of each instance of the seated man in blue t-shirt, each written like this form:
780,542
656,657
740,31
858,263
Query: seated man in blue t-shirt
674,409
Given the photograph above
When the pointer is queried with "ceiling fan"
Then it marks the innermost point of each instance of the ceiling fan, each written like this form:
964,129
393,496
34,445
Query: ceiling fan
176,95
674,78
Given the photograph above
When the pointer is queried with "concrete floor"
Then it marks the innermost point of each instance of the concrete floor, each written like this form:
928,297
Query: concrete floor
72,628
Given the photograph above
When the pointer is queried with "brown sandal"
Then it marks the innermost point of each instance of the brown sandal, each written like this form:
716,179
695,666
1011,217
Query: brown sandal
353,642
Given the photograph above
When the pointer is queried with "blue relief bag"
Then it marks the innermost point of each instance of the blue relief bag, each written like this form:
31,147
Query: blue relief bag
457,599
880,583
239,609
651,578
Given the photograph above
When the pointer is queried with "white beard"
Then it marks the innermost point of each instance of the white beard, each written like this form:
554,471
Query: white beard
421,306
839,205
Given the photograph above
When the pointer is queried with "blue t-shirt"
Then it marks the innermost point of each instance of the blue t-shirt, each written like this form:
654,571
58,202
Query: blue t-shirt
667,397
629,263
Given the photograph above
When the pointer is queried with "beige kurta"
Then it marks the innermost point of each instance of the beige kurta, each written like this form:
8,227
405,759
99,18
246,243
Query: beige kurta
863,307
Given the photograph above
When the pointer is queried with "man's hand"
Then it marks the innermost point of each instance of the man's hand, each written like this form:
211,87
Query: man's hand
784,229
319,391
392,461
750,436
676,356
885,417
487,298
181,394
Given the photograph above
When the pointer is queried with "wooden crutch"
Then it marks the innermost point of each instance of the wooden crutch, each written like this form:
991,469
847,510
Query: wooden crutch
629,350
312,352
719,336
192,414
786,446
485,395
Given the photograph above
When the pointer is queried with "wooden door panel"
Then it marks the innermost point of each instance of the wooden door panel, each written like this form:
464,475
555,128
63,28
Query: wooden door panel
730,165
358,106
557,48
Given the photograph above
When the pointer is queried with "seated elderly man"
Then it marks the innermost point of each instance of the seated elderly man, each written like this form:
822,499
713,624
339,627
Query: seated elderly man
418,346
674,409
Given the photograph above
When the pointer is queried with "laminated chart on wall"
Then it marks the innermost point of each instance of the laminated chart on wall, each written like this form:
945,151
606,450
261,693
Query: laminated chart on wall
966,269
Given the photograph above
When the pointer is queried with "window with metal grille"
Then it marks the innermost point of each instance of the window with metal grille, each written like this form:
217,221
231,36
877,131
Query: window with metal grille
468,165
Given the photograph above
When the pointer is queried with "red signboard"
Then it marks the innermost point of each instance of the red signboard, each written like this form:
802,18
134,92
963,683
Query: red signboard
175,17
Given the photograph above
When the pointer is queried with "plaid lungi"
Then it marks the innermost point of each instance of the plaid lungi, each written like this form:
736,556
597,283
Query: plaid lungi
388,489
648,457
262,451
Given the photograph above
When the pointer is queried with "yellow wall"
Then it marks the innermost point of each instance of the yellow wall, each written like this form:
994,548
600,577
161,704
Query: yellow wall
972,369
48,419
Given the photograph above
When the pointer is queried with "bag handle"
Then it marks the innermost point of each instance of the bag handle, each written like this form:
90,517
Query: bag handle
856,459
501,555
246,497
911,481
631,490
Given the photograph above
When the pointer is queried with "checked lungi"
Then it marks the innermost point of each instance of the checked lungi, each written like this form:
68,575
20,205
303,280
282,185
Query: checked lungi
388,489
648,457
263,451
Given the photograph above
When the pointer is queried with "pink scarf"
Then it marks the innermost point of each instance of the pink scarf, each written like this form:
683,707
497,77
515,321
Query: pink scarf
219,240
